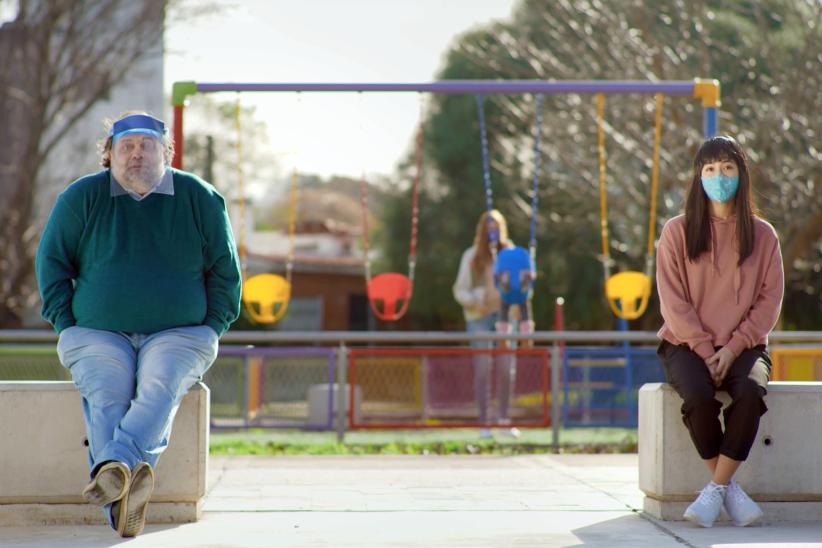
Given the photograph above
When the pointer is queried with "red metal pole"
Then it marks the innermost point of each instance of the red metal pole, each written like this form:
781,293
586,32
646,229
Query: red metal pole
559,318
177,162
351,380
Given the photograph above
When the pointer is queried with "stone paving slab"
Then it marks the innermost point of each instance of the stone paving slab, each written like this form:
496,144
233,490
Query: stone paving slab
431,501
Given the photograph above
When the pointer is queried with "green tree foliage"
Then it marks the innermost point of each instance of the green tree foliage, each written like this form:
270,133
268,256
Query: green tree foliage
766,56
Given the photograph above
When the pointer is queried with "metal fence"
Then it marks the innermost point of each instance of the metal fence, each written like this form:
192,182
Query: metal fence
600,384
447,387
272,387
424,380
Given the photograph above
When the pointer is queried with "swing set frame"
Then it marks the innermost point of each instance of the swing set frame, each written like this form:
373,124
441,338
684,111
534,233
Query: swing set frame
706,90
700,88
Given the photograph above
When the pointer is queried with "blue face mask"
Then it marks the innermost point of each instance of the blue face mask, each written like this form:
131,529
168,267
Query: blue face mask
720,188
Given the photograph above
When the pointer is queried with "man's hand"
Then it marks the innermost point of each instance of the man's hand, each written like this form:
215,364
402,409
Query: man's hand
720,363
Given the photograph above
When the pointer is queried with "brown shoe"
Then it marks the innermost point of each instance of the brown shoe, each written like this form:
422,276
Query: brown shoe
131,510
118,514
110,484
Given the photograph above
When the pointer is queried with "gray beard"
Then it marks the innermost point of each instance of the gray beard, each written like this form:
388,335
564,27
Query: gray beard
141,181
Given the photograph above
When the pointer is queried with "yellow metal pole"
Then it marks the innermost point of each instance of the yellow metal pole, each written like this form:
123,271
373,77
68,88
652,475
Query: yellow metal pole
655,177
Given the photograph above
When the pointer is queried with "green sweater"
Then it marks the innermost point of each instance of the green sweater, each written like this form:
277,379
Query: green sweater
119,264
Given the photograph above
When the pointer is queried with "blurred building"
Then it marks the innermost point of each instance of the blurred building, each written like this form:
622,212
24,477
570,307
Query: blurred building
327,278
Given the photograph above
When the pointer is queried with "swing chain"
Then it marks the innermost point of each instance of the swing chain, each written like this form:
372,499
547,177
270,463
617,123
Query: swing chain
649,257
607,262
241,244
292,225
415,208
486,175
535,185
364,204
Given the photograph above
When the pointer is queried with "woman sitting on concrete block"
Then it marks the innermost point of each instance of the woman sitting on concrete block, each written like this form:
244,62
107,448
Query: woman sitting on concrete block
720,283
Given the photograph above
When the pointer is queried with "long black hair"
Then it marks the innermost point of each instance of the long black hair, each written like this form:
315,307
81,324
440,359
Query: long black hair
697,209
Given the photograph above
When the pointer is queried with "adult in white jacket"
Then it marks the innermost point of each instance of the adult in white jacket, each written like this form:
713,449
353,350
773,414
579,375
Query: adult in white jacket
474,290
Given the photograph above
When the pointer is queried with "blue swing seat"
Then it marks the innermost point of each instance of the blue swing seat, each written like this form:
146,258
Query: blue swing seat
513,275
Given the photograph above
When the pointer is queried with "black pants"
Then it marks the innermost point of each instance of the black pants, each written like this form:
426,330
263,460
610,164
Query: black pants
745,383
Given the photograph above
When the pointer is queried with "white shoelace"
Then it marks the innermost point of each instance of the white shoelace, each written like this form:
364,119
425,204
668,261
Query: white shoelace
711,492
737,493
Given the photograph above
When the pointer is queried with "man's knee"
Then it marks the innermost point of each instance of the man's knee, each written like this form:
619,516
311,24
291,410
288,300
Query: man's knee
107,397
80,347
102,385
170,384
192,343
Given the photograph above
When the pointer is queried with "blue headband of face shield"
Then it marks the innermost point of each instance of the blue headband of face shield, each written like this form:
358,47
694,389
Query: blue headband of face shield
137,123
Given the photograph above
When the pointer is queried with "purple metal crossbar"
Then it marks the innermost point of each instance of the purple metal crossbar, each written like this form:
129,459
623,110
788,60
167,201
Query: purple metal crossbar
668,87
707,90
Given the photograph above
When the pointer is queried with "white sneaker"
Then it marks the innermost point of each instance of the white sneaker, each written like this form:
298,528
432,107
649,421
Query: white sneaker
509,431
740,507
705,509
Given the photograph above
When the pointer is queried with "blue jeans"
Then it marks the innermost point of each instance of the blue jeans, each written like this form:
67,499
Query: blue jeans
132,385
484,368
485,324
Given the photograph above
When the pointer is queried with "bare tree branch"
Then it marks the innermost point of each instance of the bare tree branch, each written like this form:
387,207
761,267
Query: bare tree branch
58,59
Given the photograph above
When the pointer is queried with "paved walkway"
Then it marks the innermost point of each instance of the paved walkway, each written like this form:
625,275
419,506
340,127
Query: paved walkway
431,501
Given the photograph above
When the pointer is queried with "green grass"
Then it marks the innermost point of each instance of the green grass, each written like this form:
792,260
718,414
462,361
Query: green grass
22,362
421,442
28,350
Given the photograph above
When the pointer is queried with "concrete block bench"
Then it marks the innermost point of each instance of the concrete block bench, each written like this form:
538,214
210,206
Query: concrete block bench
44,462
783,472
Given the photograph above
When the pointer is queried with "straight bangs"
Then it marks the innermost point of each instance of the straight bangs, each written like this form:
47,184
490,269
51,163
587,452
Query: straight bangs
717,149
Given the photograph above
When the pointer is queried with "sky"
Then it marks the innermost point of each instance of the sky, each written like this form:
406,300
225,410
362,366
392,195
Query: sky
327,41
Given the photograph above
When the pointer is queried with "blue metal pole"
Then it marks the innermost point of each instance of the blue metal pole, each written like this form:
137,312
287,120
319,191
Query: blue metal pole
709,122
628,375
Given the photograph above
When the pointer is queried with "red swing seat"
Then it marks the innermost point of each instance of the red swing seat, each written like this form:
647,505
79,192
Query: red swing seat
389,295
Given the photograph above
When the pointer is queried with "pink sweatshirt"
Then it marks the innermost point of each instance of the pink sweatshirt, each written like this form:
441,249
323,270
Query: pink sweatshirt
713,302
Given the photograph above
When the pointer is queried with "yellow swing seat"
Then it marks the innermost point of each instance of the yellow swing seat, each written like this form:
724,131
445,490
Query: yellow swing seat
265,297
628,294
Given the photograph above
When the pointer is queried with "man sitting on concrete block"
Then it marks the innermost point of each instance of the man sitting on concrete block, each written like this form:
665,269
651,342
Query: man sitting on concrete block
138,273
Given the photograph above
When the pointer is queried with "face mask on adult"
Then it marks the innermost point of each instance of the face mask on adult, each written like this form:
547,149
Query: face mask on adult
137,152
137,162
720,188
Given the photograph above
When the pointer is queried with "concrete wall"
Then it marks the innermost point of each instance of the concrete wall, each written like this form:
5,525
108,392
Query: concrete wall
783,471
44,460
